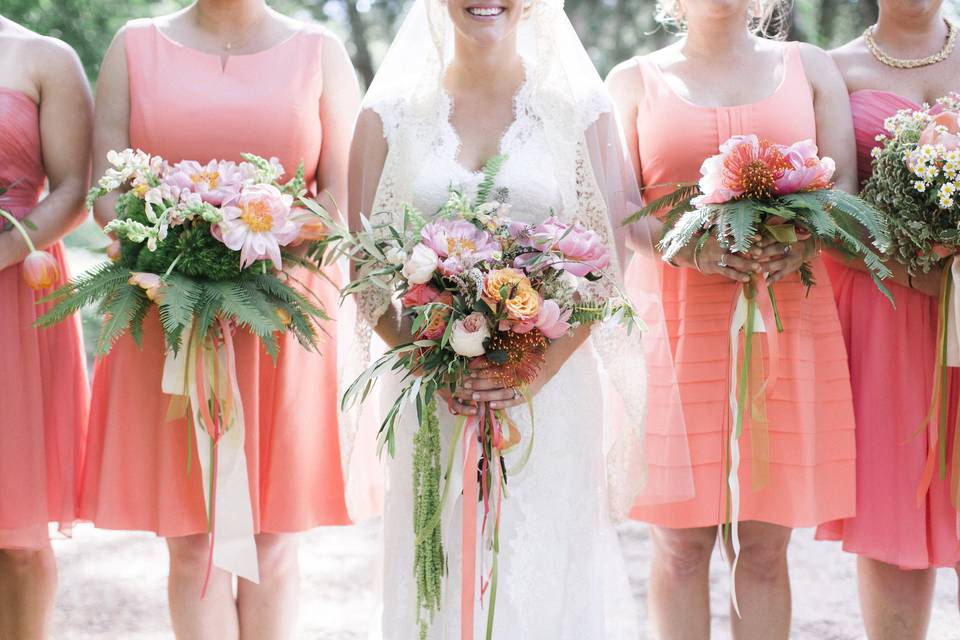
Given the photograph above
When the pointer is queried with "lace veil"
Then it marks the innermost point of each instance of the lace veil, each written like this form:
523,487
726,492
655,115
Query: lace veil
646,446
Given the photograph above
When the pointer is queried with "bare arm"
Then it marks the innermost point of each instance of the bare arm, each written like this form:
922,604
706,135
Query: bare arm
111,128
339,105
65,118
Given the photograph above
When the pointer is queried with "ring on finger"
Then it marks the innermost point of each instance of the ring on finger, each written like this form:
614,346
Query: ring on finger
723,261
787,249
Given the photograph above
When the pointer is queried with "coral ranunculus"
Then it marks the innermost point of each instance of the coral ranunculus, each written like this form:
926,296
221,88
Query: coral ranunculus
439,317
419,295
257,223
40,270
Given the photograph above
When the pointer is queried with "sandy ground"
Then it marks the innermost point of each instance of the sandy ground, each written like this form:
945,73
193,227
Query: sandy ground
112,586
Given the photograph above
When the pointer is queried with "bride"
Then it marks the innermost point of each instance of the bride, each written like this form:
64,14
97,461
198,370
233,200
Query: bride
466,80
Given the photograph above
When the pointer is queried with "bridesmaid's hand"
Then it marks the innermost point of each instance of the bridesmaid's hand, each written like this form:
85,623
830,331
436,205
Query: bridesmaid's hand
713,259
790,259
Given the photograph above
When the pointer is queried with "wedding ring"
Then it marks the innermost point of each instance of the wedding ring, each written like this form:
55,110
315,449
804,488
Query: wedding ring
723,261
787,249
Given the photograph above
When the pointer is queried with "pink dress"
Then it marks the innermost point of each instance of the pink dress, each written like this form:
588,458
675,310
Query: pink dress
185,105
891,355
811,425
43,410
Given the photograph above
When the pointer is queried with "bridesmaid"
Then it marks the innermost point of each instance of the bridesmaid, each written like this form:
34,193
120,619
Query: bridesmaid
894,65
45,122
677,106
216,79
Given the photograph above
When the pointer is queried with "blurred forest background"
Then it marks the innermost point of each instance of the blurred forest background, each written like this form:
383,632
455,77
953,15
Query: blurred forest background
612,30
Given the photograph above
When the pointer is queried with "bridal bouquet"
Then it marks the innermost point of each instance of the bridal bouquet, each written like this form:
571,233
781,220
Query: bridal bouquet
476,286
915,183
755,189
202,244
40,269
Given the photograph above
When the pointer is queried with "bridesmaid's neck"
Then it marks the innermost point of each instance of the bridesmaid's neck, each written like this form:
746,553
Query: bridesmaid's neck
717,37
905,34
497,68
220,16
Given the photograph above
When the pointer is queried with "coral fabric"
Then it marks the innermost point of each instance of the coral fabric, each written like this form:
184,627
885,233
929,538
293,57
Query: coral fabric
43,409
892,354
811,424
186,104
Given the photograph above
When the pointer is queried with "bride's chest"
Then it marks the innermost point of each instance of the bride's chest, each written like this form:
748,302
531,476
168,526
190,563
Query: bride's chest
526,180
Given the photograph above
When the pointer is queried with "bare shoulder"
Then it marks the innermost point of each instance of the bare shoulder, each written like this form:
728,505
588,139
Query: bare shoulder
45,59
625,79
815,59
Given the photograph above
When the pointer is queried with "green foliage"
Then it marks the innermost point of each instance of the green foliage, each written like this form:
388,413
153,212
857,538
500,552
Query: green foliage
429,560
490,171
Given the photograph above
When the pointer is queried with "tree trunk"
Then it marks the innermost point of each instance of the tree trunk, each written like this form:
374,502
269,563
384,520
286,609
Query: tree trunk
361,51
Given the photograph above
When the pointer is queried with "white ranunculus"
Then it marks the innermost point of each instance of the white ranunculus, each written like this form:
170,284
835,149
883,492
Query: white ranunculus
419,268
468,335
396,255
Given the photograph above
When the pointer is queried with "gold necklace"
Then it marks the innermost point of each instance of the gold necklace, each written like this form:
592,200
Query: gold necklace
898,63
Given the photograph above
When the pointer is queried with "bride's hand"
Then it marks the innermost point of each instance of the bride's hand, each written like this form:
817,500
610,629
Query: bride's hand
482,385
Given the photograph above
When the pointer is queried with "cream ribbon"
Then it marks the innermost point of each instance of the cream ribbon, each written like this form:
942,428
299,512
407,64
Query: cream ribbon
737,323
234,546
953,318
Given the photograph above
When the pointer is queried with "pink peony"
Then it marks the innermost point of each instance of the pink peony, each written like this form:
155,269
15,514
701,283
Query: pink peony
553,321
257,223
950,139
581,250
806,172
459,245
215,182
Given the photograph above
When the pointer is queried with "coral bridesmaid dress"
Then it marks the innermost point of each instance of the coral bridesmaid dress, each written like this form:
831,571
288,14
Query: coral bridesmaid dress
186,104
891,354
811,425
43,408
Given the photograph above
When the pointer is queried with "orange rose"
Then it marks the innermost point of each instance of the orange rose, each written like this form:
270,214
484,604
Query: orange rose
525,303
499,278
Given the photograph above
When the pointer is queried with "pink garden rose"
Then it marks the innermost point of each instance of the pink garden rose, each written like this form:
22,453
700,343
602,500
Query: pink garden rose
468,335
459,245
806,171
950,139
257,223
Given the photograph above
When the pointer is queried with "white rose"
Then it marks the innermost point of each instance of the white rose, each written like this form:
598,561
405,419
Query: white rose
395,255
468,335
421,265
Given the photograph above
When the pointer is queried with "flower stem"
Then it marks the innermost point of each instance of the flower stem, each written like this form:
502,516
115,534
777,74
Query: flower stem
19,227
172,265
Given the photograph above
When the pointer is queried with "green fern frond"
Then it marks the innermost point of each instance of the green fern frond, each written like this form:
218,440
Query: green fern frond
119,310
237,305
93,286
677,200
684,231
738,223
178,304
490,171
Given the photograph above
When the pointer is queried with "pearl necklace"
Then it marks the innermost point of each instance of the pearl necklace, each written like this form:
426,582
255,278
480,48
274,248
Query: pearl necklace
898,63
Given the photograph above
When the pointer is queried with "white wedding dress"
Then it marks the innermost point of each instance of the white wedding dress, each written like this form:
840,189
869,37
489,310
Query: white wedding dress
561,574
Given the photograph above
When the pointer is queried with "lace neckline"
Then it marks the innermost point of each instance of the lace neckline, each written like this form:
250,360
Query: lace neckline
519,99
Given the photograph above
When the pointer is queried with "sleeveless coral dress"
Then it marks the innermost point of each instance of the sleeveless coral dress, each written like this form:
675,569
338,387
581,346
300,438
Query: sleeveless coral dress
810,412
184,104
43,407
891,354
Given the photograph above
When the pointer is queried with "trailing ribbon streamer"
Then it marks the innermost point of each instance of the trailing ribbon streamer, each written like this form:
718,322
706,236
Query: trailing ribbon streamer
205,374
936,420
747,385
